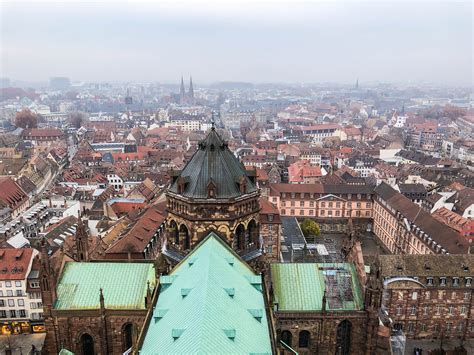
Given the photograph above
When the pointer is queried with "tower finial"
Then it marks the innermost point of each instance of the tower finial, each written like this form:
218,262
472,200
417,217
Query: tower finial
213,123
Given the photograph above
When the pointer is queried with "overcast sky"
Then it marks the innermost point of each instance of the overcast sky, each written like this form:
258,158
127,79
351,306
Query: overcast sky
322,41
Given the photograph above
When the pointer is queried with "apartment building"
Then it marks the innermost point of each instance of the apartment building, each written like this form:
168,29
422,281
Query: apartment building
21,307
330,205
405,228
318,132
429,296
186,125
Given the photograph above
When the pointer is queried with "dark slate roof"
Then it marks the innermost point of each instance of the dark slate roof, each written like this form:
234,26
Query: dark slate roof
439,232
418,157
213,161
412,188
427,265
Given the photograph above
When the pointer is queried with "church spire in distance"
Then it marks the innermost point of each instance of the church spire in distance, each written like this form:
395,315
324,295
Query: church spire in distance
191,89
182,91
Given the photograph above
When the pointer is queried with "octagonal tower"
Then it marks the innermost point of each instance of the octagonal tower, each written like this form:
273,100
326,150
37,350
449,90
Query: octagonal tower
213,193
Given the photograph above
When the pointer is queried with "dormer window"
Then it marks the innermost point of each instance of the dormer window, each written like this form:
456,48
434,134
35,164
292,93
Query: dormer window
270,218
243,185
455,281
429,281
211,189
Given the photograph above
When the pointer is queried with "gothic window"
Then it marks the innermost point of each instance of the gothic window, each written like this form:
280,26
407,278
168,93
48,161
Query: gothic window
184,238
286,337
174,234
303,341
240,234
253,232
87,344
343,338
127,333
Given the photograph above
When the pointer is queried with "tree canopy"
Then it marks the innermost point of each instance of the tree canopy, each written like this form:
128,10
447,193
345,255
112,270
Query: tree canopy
26,119
76,119
310,229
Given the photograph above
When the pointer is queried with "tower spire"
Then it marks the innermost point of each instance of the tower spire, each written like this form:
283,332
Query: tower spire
81,241
191,89
182,91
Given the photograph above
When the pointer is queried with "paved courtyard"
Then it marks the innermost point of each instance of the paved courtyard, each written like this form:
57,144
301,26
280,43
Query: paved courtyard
448,344
21,343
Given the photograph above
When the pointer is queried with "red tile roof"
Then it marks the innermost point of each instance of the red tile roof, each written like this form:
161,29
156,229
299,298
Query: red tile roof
14,263
11,193
43,132
302,169
140,234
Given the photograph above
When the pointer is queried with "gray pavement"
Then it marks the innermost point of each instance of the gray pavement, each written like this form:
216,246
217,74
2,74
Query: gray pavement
21,343
432,344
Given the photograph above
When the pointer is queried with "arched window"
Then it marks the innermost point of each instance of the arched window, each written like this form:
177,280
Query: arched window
127,333
240,234
87,344
174,235
343,339
303,341
185,241
286,337
253,232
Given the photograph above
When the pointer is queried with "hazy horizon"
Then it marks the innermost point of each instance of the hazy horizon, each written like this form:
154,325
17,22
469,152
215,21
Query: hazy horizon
260,42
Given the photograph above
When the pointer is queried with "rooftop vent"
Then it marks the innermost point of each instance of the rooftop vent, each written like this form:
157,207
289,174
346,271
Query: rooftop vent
230,261
191,261
176,333
230,291
256,313
159,313
185,292
230,333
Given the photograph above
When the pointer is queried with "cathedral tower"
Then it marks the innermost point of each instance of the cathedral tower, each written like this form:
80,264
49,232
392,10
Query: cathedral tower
213,193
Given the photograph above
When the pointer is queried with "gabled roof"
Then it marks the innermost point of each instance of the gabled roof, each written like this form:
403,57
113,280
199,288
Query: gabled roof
439,232
213,161
124,285
15,263
11,193
211,303
140,235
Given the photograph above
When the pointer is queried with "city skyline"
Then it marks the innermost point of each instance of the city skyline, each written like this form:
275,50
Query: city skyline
317,42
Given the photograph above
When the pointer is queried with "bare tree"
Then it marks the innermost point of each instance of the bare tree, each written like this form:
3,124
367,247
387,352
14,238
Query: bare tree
26,119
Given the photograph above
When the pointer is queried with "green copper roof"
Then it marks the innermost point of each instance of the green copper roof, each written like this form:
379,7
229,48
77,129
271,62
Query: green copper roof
212,304
65,352
213,161
124,285
300,287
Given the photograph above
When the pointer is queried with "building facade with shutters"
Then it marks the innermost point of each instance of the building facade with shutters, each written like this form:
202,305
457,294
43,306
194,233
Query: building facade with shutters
330,205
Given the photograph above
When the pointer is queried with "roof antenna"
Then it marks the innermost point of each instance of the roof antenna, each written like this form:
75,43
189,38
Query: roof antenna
213,127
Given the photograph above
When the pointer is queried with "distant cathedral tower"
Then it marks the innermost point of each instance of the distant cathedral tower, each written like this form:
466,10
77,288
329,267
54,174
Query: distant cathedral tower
191,90
357,83
186,98
182,92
